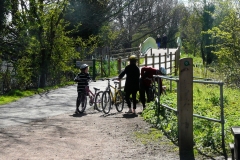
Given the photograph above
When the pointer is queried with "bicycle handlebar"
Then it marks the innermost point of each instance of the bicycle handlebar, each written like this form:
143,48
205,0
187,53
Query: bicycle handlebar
109,79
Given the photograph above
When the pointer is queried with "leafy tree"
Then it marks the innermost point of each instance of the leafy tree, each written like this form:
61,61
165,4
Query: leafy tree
37,44
207,19
190,29
227,47
141,19
86,17
2,13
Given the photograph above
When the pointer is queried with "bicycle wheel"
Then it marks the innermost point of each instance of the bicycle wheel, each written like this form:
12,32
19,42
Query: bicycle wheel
150,94
106,102
119,101
98,101
81,103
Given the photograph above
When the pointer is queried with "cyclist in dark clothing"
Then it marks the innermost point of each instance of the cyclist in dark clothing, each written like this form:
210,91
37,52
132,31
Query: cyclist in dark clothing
146,80
132,82
82,78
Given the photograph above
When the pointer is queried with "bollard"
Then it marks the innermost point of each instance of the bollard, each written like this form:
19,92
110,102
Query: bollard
185,106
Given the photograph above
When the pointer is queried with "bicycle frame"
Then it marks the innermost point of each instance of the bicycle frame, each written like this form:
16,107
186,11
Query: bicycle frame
113,95
109,98
87,89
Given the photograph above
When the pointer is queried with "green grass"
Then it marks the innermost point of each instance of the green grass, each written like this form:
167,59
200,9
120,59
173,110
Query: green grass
15,95
152,135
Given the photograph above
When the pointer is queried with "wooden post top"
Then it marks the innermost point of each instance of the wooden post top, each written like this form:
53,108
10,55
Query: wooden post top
236,130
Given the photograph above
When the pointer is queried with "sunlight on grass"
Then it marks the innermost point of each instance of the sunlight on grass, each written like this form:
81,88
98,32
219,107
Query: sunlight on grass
152,135
15,95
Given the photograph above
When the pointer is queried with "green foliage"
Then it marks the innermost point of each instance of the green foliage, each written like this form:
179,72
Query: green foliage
87,16
207,18
226,48
105,69
152,135
191,33
14,95
227,39
40,49
2,13
107,35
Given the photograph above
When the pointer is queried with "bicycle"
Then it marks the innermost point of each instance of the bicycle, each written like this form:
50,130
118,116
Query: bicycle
153,90
94,99
109,98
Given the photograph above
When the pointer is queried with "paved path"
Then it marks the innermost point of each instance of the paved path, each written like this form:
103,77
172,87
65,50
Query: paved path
54,102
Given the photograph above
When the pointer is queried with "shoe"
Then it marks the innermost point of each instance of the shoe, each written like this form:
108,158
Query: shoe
129,111
76,112
134,112
144,106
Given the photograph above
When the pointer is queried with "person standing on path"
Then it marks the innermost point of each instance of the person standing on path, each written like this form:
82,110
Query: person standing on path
82,78
146,81
132,82
164,41
158,41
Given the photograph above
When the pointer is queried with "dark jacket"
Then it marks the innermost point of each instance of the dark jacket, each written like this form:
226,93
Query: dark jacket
132,80
158,40
164,39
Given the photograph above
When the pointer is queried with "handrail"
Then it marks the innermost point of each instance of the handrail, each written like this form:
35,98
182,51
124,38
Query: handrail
220,83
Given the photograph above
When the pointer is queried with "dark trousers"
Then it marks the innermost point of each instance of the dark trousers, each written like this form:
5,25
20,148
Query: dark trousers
142,91
127,97
164,45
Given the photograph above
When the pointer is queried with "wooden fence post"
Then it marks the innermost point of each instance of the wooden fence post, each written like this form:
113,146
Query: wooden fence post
177,57
185,106
236,134
146,60
153,60
109,65
171,70
138,57
171,62
101,66
94,68
165,61
159,60
119,71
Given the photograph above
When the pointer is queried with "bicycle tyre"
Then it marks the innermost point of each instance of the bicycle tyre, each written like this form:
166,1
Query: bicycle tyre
98,101
151,94
81,103
106,102
119,101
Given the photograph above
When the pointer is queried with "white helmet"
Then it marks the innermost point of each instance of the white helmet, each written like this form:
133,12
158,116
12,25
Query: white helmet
83,66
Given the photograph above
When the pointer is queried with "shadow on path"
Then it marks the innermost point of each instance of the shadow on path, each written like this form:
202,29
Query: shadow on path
129,115
78,115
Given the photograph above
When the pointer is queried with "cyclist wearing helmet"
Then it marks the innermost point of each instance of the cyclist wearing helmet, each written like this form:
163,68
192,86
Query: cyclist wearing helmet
82,78
146,80
132,82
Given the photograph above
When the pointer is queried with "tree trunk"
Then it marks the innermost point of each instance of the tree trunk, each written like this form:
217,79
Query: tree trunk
43,69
